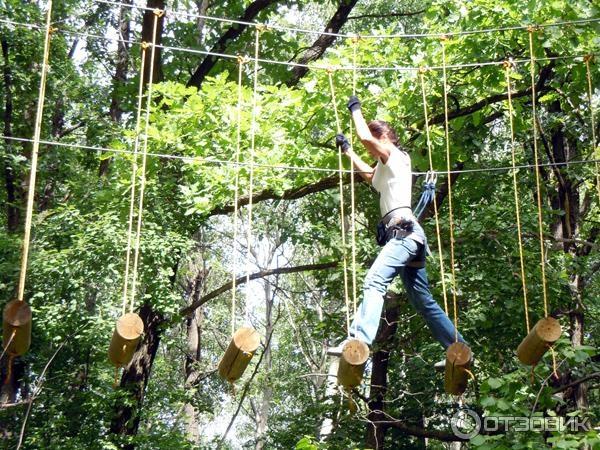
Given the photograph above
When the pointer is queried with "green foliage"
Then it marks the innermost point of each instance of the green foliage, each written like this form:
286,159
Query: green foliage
75,277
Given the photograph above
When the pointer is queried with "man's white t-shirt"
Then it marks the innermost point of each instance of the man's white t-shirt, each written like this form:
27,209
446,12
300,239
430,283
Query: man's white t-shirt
393,181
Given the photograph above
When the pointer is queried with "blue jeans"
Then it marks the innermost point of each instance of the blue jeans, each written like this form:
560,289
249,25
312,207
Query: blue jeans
390,262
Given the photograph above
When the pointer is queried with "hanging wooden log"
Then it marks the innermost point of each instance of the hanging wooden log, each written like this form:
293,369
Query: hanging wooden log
541,337
244,343
16,328
352,363
458,362
125,339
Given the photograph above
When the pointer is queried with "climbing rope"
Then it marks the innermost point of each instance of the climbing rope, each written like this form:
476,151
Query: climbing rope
134,169
157,14
537,170
241,62
450,215
34,155
435,208
352,184
342,214
588,59
258,31
507,68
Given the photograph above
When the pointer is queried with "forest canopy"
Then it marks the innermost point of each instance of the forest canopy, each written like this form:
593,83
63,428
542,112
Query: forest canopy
236,106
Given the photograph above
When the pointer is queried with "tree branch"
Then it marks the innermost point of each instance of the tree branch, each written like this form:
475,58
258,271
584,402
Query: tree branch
291,194
416,431
541,87
262,274
577,382
324,41
231,34
377,16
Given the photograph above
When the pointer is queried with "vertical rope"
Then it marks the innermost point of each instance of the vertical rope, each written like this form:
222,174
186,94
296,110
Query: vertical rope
259,29
450,215
352,185
588,59
157,14
134,169
435,209
34,155
7,346
241,60
537,170
507,67
342,215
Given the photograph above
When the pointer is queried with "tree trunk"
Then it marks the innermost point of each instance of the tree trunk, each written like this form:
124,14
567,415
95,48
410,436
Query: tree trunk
12,371
12,210
388,326
566,197
147,31
262,411
194,321
120,77
194,330
202,6
135,377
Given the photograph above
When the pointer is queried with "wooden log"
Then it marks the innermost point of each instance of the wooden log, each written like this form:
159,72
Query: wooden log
240,351
125,338
352,363
458,361
16,328
541,337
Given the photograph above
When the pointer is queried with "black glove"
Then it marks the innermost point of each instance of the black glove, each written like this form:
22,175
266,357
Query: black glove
342,142
353,103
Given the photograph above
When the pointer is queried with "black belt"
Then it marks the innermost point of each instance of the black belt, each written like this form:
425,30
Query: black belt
389,216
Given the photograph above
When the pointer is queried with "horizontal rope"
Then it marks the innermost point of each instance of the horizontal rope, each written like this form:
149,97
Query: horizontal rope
176,13
313,67
286,167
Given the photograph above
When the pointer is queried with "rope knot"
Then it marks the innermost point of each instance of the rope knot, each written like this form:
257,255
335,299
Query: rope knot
241,59
444,37
508,63
158,12
354,38
532,28
260,27
144,45
330,70
52,30
588,58
423,70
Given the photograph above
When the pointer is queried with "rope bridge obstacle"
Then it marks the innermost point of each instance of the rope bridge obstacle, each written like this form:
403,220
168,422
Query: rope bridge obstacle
129,328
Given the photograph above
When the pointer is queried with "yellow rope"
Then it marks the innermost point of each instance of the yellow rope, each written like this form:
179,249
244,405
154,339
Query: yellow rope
537,170
34,156
352,185
554,366
7,346
241,61
136,257
134,169
258,30
342,216
435,209
450,215
507,67
471,375
588,59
